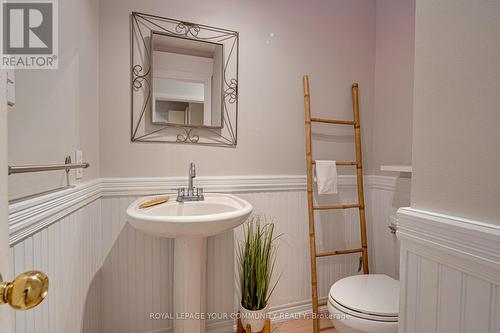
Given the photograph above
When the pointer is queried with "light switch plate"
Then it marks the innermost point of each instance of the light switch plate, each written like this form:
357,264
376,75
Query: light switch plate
79,159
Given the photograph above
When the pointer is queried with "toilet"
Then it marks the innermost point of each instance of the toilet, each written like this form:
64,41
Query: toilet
365,304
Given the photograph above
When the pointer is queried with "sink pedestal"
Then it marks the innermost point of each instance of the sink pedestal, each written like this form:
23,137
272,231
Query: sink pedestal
190,269
190,223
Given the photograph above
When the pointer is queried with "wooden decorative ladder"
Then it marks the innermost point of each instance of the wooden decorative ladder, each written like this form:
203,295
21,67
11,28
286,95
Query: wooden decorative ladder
311,207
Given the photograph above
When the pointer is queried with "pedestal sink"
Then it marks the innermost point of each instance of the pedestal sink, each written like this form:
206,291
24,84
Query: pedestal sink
190,223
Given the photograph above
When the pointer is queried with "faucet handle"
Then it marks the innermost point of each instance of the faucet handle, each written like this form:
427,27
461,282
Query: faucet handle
192,171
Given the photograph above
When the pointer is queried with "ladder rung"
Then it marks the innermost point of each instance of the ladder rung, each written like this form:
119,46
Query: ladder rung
333,121
325,207
322,302
342,163
335,253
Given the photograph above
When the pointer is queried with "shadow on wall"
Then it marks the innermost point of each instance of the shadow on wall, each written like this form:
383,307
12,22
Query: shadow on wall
402,195
384,245
136,282
91,322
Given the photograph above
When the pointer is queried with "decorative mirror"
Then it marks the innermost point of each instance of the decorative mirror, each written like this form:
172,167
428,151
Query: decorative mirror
184,82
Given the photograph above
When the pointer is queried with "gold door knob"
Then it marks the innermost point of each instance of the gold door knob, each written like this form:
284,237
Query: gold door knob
26,291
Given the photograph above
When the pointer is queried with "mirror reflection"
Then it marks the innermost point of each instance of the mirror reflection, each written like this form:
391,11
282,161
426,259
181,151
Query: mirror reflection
186,81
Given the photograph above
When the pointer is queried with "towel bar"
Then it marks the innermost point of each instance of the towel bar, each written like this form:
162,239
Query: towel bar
48,167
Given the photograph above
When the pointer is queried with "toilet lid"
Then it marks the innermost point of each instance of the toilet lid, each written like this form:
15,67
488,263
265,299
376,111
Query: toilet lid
374,294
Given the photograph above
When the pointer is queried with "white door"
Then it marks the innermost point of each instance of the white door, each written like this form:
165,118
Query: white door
5,310
29,288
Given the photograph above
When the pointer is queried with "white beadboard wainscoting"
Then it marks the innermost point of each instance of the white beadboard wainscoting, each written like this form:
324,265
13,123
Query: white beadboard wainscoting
71,252
106,277
450,274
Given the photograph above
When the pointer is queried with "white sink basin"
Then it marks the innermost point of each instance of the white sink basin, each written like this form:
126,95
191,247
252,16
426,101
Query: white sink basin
190,223
216,214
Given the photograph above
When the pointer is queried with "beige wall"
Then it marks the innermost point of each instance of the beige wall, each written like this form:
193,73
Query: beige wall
56,111
456,125
393,101
85,104
333,41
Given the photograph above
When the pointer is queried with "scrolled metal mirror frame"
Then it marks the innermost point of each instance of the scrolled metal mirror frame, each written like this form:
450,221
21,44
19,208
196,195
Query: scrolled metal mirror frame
141,83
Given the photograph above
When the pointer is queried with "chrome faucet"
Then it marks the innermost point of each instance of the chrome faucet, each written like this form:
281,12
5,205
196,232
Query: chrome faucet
193,193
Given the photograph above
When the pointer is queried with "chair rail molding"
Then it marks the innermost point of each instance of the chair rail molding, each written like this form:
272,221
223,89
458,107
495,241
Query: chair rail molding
154,185
470,246
29,216
450,273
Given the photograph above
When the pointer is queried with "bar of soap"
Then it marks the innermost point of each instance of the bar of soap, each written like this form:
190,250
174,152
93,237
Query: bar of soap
153,202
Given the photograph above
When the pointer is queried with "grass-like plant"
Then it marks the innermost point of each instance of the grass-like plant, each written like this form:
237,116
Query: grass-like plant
257,258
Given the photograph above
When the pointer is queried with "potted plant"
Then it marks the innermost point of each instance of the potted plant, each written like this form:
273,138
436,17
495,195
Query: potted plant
257,257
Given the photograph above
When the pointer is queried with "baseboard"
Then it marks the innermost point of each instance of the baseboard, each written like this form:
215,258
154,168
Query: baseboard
278,314
294,310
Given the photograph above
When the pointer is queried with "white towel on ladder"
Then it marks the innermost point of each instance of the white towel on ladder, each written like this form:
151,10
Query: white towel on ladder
326,177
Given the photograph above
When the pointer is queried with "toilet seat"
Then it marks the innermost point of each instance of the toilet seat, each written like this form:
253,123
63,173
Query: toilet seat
370,297
361,315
